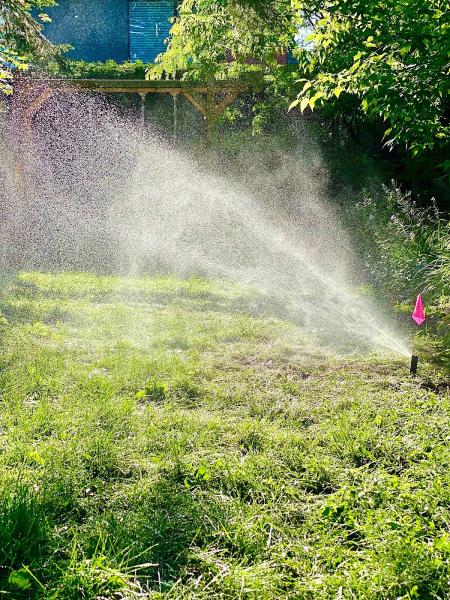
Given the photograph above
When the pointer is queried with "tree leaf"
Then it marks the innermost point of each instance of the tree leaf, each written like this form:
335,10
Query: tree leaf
405,49
304,103
20,579
44,18
313,100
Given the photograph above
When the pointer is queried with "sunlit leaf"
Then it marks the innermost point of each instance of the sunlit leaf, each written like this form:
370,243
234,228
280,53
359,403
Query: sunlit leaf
304,103
20,580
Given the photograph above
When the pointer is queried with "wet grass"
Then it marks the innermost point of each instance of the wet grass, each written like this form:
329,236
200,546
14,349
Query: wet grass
162,438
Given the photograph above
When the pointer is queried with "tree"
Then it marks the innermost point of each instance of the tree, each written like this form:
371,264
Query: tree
206,33
21,38
391,55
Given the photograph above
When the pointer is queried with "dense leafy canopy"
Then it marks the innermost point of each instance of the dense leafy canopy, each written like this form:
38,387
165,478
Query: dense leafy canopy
20,37
392,55
207,34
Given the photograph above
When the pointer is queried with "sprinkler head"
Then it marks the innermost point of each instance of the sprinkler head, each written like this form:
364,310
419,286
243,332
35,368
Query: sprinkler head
414,361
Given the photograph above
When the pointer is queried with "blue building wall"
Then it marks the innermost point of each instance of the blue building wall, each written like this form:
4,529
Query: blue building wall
149,27
97,29
111,29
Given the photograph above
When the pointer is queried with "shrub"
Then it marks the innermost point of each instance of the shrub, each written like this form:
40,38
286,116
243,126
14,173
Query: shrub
405,248
110,69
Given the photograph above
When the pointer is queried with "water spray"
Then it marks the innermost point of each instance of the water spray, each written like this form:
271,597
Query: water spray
143,206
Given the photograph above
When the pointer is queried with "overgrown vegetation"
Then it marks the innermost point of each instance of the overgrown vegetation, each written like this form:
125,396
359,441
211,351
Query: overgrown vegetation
21,38
166,438
174,439
383,63
110,69
405,249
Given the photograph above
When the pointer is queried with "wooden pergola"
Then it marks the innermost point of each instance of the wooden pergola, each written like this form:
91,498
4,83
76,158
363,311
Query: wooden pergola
209,99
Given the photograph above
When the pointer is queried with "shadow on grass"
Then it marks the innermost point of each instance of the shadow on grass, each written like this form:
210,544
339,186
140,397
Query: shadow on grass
257,305
161,529
24,532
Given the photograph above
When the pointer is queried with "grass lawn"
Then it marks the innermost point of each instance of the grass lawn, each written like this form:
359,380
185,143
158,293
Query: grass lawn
165,438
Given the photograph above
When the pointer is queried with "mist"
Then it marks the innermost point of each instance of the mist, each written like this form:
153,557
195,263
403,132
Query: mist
98,193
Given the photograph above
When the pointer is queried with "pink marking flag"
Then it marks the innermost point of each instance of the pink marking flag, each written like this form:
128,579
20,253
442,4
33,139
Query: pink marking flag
419,313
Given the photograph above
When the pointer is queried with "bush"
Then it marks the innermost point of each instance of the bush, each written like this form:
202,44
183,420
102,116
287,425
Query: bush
80,69
405,249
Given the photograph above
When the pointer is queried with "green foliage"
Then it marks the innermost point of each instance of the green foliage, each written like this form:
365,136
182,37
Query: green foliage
110,69
154,391
393,56
91,576
20,579
264,465
23,525
20,38
206,33
406,248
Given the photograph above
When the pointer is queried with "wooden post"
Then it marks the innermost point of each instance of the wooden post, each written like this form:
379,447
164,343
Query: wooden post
175,117
209,116
25,137
142,111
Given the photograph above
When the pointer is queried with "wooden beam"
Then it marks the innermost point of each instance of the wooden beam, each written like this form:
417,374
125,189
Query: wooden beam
35,105
196,103
139,85
202,96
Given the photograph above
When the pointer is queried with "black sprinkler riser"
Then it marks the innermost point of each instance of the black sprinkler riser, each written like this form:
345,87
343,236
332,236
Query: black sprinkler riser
414,362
